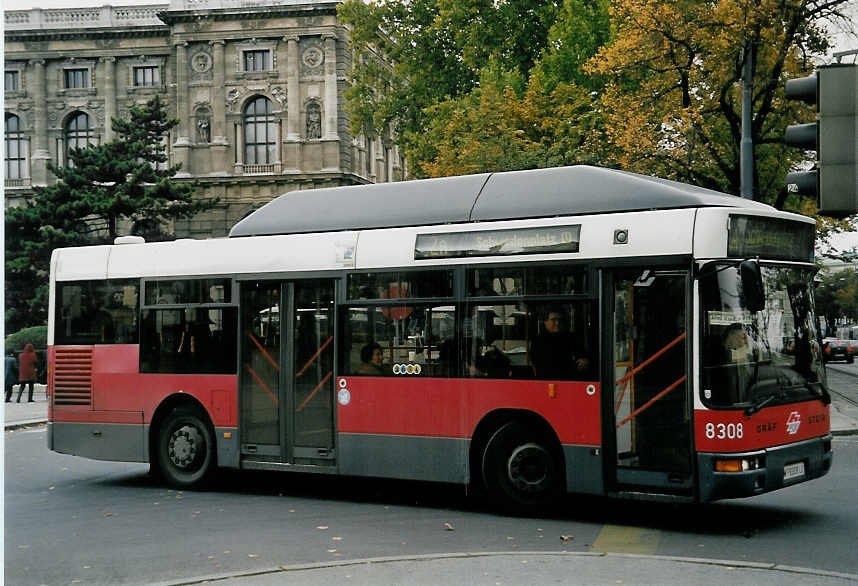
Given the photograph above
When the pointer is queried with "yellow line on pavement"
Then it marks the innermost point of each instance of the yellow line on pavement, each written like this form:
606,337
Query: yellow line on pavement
619,539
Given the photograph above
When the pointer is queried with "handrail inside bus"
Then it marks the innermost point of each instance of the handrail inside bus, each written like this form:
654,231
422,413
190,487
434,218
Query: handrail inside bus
314,391
646,362
646,405
624,380
314,356
264,353
263,385
627,377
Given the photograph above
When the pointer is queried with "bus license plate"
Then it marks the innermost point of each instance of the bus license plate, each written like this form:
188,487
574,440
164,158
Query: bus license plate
792,471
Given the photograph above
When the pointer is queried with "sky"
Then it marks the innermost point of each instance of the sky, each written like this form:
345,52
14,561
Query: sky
841,40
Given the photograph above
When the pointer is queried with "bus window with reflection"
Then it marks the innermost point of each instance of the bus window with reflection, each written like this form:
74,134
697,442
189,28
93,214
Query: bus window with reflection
194,339
550,341
386,340
96,312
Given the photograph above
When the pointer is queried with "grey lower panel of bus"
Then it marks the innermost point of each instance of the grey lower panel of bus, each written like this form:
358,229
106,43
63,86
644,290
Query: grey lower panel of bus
398,456
125,442
446,460
583,469
814,453
118,442
227,446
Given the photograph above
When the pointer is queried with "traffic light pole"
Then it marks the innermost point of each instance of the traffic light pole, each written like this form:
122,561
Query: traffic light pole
746,148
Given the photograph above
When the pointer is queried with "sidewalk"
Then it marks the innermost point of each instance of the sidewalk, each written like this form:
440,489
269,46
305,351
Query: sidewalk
22,414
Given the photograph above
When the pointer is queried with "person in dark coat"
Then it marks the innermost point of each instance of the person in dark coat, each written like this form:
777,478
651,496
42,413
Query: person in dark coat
27,362
556,352
11,365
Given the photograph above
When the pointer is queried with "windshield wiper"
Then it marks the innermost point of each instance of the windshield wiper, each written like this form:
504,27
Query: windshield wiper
763,402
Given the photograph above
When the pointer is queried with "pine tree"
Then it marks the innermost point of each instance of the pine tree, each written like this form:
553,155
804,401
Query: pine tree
126,178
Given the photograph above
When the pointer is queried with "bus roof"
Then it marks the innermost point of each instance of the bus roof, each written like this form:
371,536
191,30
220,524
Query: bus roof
536,193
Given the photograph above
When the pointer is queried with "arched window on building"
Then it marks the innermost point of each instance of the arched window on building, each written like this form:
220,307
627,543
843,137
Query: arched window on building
78,134
260,137
16,149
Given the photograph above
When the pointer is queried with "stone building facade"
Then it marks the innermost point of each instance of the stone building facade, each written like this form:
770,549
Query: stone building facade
256,84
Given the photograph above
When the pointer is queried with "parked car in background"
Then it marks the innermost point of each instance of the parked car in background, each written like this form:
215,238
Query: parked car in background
839,349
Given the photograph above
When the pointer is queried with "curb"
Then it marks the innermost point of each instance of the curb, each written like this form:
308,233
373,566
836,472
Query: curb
21,424
728,564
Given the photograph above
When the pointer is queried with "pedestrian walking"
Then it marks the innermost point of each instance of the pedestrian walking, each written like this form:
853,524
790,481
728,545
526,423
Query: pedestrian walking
27,362
11,374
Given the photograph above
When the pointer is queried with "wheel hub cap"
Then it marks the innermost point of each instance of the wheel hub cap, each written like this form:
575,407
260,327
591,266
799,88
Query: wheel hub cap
528,468
183,446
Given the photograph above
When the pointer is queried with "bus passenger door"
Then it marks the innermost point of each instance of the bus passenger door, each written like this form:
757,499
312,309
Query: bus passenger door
311,389
260,427
648,424
286,376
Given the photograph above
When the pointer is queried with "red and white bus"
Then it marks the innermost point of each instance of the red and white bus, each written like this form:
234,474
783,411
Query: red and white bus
533,333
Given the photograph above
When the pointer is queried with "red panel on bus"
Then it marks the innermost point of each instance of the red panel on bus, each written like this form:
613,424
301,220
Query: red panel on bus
733,431
117,386
453,407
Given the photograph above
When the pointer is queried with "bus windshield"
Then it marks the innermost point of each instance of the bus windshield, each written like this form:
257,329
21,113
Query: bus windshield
754,359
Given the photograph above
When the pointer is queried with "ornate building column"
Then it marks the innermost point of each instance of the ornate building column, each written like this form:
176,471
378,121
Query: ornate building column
108,65
331,105
293,100
182,146
219,142
292,148
330,136
41,155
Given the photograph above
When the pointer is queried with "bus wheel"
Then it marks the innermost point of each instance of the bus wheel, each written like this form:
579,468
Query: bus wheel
186,448
520,471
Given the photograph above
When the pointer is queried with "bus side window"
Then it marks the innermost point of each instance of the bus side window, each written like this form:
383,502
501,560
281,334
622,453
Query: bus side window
495,344
418,334
561,346
97,312
196,339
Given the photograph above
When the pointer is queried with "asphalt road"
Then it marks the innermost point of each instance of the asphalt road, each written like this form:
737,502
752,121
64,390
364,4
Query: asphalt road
71,520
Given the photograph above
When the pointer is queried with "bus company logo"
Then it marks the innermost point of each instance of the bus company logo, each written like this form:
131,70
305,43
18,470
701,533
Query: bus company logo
793,422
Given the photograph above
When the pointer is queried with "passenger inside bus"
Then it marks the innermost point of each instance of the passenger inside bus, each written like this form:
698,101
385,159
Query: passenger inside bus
557,352
372,358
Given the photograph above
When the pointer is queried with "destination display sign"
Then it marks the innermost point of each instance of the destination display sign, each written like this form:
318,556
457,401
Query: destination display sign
772,238
547,240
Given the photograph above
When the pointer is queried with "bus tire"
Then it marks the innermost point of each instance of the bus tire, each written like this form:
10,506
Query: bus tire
520,469
186,450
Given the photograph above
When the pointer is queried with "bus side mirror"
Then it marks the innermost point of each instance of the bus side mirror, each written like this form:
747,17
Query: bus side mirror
752,285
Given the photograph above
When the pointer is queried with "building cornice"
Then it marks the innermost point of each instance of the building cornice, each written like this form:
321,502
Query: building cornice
92,34
172,17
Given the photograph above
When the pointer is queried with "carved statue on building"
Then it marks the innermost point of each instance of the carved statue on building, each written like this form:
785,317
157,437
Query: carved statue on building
203,128
314,120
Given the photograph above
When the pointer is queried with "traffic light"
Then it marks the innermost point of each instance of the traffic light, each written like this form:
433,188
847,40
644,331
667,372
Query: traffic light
834,136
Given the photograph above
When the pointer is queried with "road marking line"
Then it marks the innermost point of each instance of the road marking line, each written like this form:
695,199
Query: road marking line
620,539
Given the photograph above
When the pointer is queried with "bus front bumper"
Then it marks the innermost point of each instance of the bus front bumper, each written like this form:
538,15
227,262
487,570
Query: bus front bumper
778,467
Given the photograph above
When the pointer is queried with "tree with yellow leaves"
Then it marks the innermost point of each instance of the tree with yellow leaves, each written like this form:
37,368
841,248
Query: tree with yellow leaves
673,75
